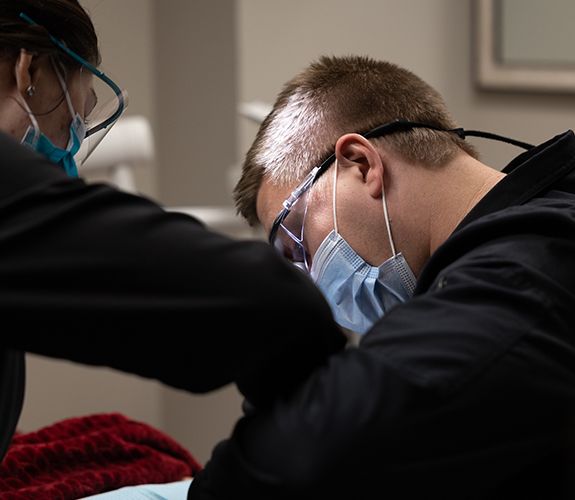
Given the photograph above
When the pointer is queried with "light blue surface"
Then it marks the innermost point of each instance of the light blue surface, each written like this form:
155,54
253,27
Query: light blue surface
168,491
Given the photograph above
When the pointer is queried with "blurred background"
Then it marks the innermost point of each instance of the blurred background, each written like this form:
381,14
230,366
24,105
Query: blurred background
190,64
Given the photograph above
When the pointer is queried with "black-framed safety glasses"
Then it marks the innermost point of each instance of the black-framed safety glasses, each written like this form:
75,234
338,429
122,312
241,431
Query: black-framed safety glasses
287,231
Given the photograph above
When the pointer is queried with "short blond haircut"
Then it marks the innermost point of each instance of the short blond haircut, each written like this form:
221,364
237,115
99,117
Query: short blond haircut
338,95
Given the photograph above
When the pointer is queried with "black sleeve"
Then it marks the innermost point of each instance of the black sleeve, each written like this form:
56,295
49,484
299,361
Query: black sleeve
448,395
99,276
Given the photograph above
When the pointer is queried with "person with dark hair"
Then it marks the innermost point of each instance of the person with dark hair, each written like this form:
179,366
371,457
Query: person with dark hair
95,275
457,278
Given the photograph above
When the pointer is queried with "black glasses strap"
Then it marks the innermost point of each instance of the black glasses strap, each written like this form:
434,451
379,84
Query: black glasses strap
402,125
496,137
460,132
405,125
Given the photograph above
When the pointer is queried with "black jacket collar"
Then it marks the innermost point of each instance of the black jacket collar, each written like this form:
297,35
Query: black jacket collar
549,166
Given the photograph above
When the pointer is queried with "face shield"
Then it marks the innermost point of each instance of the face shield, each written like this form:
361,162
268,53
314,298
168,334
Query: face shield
110,103
109,100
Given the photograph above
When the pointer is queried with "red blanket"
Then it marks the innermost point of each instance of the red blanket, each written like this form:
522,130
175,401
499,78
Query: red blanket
88,455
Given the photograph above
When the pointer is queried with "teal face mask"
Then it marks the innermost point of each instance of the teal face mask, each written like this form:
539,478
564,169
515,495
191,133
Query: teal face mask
63,157
359,294
38,141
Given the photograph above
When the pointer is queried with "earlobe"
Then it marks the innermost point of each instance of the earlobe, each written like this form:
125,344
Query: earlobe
23,74
354,150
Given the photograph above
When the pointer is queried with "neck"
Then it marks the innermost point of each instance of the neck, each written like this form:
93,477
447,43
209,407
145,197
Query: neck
469,181
13,119
439,200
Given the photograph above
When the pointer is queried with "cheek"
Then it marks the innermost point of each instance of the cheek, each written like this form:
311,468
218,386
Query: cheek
317,228
80,89
56,126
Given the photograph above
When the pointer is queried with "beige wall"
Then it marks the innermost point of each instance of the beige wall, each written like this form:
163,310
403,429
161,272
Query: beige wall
184,71
56,390
195,68
126,36
430,37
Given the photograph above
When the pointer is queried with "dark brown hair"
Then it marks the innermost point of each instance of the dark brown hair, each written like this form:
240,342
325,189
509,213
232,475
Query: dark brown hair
64,19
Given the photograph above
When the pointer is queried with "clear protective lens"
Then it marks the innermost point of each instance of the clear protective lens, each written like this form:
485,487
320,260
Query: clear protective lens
99,122
89,144
289,239
109,106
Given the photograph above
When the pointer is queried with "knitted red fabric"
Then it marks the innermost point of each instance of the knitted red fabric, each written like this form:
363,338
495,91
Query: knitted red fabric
83,456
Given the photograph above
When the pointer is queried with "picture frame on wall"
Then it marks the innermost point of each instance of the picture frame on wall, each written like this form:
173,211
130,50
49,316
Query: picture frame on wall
524,45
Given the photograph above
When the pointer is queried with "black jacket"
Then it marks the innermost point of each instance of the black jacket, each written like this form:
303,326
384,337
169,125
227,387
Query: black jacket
99,276
467,391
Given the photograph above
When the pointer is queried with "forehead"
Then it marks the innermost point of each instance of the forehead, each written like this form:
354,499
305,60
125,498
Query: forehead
269,202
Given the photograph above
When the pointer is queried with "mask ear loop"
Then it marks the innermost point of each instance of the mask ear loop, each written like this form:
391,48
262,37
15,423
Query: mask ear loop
334,191
387,224
77,123
64,88
34,124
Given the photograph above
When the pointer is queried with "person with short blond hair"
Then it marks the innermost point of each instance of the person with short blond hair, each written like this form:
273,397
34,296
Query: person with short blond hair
457,279
334,96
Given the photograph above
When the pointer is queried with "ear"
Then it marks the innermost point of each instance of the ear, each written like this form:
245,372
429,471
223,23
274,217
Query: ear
355,151
23,72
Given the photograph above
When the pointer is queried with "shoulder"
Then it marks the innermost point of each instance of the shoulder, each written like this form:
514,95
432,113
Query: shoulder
507,292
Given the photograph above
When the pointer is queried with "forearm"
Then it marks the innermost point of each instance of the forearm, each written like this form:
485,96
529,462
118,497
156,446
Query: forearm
307,445
132,287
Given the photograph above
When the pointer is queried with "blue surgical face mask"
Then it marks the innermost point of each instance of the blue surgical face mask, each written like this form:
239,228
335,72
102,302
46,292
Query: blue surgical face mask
359,294
38,141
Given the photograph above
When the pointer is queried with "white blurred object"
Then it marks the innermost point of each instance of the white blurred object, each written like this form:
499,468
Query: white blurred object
222,219
129,144
255,111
